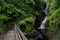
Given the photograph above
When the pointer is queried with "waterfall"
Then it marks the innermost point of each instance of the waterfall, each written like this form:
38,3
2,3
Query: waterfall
42,26
42,31
46,10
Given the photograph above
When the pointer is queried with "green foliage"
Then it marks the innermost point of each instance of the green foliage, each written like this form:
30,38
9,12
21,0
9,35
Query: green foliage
30,1
54,15
26,25
23,10
54,20
8,14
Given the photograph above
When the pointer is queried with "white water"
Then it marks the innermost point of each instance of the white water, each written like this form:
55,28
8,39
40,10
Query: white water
42,26
46,10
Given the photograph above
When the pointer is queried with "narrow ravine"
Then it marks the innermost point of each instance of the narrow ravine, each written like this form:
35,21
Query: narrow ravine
42,26
42,32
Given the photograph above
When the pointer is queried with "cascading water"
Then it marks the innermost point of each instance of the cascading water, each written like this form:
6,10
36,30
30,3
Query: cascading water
46,10
42,26
41,29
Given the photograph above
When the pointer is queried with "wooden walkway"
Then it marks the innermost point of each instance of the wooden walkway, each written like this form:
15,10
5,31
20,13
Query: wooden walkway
14,34
10,35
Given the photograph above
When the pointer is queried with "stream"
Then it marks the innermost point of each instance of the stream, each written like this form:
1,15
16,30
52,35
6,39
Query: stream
42,26
42,32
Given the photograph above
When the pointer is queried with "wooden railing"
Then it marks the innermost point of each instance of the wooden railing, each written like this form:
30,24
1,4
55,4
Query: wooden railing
19,33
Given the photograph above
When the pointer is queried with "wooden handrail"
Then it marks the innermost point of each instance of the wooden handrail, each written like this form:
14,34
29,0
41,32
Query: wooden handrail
20,33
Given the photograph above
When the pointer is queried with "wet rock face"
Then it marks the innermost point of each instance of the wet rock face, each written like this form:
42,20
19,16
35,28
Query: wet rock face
51,34
44,38
32,35
39,19
38,22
